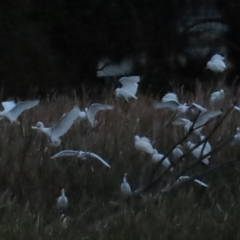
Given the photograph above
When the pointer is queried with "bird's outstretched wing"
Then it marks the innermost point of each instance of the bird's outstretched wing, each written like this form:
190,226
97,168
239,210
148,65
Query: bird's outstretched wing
65,153
8,105
199,107
93,155
20,107
205,117
65,122
173,105
94,108
170,97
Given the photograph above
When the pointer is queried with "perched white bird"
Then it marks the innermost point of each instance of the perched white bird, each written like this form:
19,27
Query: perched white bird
195,180
125,187
197,151
143,144
89,114
217,96
217,57
60,128
236,138
157,157
202,119
177,153
62,201
12,110
79,154
129,87
216,65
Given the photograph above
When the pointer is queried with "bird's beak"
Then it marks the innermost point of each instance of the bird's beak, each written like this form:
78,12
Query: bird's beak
34,127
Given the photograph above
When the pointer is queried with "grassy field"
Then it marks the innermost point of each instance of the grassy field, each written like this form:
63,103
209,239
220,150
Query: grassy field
30,181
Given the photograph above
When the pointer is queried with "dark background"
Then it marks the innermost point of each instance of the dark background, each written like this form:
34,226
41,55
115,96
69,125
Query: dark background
54,46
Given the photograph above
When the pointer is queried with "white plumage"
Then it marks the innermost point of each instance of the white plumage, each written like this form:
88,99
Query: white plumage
236,138
197,151
80,154
195,180
157,157
177,153
202,119
89,114
143,144
217,57
60,128
216,64
12,110
129,87
125,187
216,96
62,201
170,101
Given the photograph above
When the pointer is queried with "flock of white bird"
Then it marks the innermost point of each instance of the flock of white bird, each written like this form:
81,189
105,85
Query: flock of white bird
128,91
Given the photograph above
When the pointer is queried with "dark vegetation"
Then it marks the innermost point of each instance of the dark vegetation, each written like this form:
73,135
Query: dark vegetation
30,181
55,46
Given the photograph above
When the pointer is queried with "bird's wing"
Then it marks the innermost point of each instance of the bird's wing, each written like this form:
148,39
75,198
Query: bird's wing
97,157
205,117
130,84
202,109
237,108
8,105
170,97
20,107
201,183
94,108
65,122
144,146
173,105
65,153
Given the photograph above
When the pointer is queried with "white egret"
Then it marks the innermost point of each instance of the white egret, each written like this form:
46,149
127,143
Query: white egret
217,96
197,151
62,201
79,154
89,114
143,144
177,153
170,101
157,157
12,110
60,128
129,87
202,119
216,65
236,138
125,187
195,180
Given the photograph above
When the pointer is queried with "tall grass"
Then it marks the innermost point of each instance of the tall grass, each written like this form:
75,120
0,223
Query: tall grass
30,182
